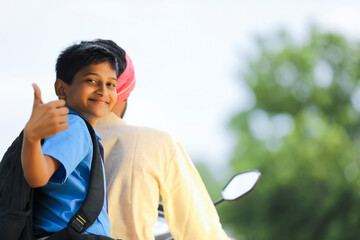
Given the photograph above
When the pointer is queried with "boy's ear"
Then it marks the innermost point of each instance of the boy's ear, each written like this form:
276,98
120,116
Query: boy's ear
60,86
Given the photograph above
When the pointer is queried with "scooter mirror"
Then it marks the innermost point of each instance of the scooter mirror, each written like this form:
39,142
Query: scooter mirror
241,184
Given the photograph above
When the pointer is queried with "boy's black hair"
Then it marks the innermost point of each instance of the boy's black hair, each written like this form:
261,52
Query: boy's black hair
115,49
81,55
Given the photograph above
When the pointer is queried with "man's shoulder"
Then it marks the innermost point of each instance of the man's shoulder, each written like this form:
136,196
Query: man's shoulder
146,137
112,125
145,134
145,130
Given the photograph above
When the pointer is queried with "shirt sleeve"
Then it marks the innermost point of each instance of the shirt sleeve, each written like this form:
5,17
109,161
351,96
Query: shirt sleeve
189,210
69,147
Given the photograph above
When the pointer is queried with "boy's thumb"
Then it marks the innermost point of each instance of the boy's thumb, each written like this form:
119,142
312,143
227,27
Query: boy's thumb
37,95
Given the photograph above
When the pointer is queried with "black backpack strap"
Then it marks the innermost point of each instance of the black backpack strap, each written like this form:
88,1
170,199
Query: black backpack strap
93,203
94,199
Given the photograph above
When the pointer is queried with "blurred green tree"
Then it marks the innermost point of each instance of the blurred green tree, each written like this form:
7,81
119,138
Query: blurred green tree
303,133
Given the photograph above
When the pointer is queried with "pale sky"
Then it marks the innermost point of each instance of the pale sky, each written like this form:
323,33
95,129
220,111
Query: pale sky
187,56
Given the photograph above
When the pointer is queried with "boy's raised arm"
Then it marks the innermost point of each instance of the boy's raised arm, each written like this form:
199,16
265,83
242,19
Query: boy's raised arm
45,120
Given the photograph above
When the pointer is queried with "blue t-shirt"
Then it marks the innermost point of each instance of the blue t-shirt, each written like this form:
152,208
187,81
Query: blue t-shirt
57,201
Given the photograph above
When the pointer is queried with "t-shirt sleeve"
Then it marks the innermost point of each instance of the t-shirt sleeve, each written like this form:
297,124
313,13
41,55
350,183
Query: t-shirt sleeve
69,147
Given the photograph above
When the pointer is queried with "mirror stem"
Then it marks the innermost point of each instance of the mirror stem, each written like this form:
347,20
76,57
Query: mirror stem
218,201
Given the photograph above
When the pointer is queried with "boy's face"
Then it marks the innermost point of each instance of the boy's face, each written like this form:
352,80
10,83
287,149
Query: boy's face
92,92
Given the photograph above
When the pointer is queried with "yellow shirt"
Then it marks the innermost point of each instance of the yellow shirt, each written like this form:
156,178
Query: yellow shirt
143,163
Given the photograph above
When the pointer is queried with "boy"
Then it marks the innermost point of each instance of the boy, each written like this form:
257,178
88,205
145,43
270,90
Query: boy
86,85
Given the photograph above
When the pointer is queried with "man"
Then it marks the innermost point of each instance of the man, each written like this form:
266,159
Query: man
143,164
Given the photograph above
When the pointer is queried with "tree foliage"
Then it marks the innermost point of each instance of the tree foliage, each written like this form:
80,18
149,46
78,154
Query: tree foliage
303,134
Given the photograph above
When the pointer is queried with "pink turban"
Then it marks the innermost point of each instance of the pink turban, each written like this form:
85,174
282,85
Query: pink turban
126,81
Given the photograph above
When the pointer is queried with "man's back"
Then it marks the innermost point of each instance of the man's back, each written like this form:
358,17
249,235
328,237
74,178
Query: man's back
141,164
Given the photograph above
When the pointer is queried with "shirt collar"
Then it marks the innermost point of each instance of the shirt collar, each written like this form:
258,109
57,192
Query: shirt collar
74,112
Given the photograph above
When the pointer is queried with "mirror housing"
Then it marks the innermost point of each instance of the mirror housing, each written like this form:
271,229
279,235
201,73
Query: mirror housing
240,185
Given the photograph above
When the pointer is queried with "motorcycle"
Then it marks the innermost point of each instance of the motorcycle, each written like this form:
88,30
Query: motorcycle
240,185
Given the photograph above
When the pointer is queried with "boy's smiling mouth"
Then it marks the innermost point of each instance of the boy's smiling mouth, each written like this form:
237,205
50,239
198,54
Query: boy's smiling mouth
99,101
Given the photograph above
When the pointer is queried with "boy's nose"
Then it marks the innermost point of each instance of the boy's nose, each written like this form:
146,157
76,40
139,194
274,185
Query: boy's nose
101,89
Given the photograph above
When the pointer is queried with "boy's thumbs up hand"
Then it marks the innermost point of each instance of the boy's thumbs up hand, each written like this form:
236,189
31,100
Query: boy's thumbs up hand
46,119
37,95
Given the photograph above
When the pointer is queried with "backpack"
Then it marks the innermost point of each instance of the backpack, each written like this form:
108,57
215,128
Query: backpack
16,198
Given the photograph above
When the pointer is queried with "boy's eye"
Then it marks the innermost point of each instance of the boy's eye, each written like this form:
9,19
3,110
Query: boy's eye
111,85
91,80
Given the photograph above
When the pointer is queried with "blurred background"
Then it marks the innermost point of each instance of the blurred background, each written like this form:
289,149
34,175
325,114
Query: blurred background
271,85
